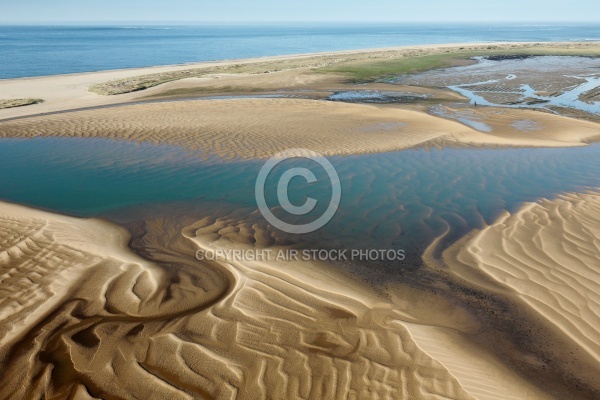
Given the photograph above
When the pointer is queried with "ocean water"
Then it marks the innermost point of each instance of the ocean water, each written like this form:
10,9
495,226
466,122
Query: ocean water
49,50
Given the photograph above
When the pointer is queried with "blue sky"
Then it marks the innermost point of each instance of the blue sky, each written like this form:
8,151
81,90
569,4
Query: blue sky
36,11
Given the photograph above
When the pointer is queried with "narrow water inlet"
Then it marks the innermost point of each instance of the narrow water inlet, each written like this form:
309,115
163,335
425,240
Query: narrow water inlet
398,200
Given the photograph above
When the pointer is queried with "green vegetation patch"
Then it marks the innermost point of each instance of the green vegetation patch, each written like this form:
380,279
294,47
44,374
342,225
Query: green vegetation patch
203,91
369,70
18,102
362,66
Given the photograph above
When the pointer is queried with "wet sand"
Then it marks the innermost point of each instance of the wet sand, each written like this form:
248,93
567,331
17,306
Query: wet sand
160,324
109,322
120,326
547,255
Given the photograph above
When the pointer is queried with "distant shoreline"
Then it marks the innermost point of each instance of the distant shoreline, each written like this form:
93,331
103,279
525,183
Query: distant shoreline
72,91
283,57
198,64
51,49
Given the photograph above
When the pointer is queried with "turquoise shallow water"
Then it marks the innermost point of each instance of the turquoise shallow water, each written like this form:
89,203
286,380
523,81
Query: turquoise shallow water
398,200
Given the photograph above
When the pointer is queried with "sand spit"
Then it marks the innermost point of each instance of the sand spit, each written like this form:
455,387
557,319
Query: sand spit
67,92
259,128
547,255
82,317
320,61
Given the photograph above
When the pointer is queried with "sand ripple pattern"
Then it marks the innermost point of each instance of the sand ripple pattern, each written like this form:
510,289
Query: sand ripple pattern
548,254
259,128
246,128
75,301
34,270
123,327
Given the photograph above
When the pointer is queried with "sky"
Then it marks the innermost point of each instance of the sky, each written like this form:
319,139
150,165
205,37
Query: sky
249,11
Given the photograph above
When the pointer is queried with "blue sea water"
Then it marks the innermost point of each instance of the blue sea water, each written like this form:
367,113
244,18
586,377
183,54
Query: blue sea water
49,50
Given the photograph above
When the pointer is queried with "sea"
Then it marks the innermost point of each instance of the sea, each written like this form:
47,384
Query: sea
27,51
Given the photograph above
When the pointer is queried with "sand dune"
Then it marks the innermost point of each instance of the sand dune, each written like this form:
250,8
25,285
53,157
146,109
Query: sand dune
12,103
547,255
259,128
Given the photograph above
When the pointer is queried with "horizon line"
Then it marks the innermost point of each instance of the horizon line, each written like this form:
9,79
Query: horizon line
232,22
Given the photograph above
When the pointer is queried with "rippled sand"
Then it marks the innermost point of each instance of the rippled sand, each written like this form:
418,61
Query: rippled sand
84,318
77,304
259,128
87,318
247,128
548,256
